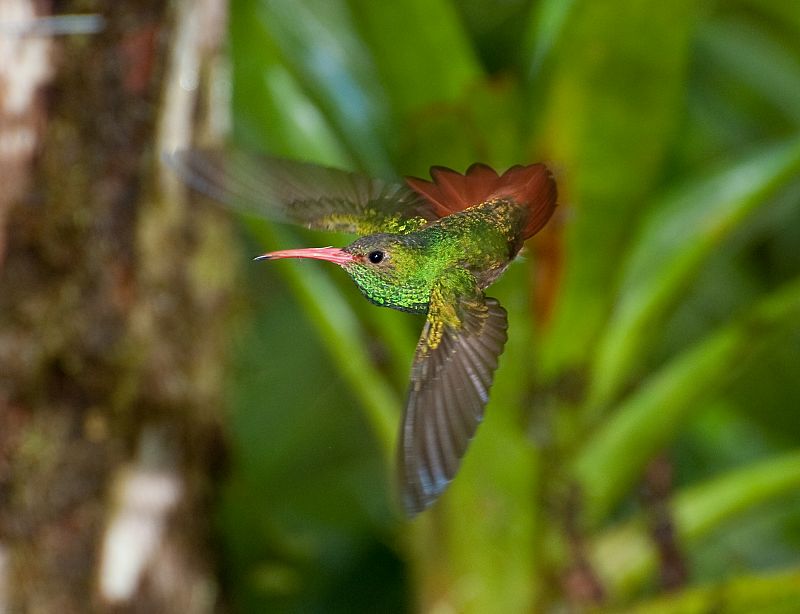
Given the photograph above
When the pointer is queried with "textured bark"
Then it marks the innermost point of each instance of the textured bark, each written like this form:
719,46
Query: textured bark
112,310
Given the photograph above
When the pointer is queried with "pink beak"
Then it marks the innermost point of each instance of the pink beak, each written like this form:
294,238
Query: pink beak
331,254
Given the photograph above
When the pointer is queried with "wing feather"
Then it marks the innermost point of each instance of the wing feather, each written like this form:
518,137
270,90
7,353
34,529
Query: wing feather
301,193
449,390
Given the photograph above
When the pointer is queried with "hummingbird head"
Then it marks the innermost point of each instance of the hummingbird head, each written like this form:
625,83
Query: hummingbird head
387,268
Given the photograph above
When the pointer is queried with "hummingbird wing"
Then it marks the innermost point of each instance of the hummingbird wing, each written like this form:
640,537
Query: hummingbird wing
302,193
452,373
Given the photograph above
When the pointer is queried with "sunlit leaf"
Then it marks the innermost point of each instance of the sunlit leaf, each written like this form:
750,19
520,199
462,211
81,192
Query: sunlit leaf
336,71
437,64
669,250
777,593
614,457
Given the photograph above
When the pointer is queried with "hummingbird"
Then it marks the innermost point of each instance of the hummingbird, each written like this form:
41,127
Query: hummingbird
427,247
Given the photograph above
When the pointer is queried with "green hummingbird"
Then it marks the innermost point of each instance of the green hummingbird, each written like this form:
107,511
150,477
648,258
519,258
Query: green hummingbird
428,247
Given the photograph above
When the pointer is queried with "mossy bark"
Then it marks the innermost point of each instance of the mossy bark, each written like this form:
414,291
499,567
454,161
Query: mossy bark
113,303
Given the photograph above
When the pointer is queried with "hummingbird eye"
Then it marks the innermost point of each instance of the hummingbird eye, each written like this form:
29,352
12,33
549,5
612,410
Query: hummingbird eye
375,256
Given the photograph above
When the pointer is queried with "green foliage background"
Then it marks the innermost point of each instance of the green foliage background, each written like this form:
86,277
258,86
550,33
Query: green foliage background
674,129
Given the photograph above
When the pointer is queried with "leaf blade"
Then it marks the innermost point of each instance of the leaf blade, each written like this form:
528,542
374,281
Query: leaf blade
670,251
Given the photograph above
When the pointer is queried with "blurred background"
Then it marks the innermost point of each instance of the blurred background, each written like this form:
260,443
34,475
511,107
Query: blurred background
183,428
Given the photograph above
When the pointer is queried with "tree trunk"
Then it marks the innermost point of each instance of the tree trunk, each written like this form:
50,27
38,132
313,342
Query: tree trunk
113,300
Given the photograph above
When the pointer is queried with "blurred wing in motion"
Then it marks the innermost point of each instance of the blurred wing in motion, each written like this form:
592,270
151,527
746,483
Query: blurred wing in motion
301,193
451,376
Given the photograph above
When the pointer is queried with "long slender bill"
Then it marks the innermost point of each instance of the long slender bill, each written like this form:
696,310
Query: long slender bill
331,254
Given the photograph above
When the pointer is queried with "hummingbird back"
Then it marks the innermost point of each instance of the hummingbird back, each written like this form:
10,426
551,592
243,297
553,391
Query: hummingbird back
531,187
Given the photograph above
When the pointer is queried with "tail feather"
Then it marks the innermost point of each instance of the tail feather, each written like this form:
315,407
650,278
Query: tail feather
532,186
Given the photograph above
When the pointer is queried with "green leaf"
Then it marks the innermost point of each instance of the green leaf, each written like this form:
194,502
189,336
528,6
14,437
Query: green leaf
777,593
625,556
611,108
342,335
319,44
755,60
546,25
613,458
437,63
286,120
669,252
483,126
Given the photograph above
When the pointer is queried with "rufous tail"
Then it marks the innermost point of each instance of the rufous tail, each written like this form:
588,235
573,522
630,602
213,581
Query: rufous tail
531,186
